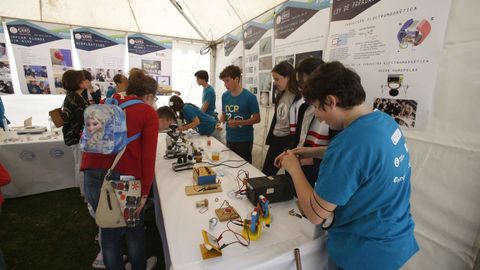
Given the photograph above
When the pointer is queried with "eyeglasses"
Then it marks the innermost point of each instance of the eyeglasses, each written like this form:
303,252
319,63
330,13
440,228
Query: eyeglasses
155,98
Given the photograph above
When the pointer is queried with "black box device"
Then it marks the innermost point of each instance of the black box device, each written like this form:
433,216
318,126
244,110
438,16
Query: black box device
277,188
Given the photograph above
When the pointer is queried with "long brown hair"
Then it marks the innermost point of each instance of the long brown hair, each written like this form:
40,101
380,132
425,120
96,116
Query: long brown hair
284,69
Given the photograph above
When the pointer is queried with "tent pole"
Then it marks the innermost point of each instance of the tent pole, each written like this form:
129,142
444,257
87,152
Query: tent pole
179,8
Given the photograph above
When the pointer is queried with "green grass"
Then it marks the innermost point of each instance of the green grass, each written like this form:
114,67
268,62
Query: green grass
55,231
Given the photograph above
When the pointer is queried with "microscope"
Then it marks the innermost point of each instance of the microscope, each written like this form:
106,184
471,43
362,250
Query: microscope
176,144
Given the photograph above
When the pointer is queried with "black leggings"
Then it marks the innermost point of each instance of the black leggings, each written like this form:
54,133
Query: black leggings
278,145
243,149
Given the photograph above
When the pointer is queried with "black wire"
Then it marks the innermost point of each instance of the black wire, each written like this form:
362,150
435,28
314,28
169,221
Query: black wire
223,163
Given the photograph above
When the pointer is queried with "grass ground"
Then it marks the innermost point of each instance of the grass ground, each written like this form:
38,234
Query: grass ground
55,231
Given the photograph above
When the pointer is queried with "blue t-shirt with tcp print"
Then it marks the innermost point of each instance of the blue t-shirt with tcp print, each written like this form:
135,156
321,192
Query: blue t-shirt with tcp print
366,173
239,107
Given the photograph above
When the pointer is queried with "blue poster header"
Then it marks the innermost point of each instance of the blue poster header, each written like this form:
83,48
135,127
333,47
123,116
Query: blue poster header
28,34
88,39
141,44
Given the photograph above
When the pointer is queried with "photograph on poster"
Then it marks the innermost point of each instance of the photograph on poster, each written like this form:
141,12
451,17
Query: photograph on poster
61,57
395,84
299,57
102,74
266,45
61,62
152,66
38,73
288,58
265,63
163,80
38,87
403,111
265,81
3,49
413,32
6,86
253,89
252,58
340,40
265,98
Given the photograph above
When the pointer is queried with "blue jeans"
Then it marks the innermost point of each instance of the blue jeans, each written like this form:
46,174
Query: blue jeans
111,238
112,246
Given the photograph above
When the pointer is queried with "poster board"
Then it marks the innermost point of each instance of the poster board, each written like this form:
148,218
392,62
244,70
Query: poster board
42,54
152,54
258,46
395,47
102,53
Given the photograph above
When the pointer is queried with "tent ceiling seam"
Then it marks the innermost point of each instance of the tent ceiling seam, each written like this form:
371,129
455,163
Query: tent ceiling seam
180,10
235,11
133,14
193,16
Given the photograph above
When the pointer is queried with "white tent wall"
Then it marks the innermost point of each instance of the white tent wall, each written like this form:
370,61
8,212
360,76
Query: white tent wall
18,107
445,156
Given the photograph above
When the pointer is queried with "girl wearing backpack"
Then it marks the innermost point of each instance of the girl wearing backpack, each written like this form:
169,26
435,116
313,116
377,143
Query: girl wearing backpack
138,160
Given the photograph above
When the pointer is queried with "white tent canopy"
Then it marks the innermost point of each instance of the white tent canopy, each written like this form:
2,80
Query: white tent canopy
181,19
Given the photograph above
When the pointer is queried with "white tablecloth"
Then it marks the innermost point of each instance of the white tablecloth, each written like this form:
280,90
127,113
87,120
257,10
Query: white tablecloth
183,222
37,164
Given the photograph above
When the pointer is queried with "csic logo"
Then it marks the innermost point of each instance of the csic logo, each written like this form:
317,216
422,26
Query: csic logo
24,30
136,41
84,36
283,16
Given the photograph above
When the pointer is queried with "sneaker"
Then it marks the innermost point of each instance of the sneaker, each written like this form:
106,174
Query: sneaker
98,262
151,263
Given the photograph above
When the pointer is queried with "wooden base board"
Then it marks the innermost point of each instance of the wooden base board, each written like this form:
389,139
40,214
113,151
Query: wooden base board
227,213
202,189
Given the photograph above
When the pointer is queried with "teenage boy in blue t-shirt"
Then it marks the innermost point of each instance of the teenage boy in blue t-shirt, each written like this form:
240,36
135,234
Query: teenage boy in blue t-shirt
364,178
240,111
208,95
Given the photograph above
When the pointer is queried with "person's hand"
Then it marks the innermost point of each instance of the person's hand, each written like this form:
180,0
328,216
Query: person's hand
143,201
234,123
290,161
219,126
278,160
